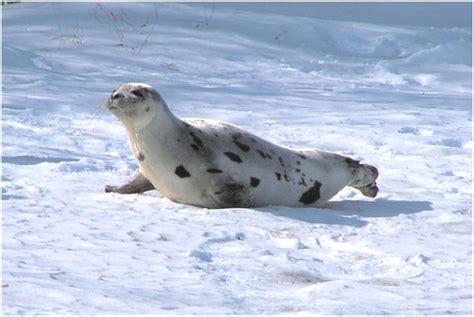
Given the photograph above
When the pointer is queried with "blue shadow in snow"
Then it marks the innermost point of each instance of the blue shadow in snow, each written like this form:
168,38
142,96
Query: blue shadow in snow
33,160
350,212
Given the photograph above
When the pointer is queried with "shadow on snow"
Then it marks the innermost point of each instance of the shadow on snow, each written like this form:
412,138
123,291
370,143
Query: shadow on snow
33,160
350,212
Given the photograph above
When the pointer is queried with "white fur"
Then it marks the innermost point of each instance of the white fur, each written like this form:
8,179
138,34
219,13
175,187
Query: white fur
165,143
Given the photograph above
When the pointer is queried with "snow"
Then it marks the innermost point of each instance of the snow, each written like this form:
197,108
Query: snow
396,96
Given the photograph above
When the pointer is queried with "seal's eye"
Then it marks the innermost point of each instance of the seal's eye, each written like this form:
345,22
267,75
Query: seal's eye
117,96
137,93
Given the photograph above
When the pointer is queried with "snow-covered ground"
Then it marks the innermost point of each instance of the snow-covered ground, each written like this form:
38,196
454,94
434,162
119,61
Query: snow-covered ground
398,97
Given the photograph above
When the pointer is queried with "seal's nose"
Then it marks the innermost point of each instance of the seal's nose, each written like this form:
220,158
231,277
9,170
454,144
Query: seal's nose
109,104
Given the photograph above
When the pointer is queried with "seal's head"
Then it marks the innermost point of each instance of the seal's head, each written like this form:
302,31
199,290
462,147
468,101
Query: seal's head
135,104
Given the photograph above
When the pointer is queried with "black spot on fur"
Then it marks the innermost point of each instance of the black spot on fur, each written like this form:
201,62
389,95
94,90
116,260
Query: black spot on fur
253,140
216,135
352,163
297,170
233,157
298,162
214,171
311,195
196,140
195,147
181,172
141,157
254,181
187,125
179,140
281,161
286,177
302,182
261,154
236,136
302,156
278,175
243,147
268,156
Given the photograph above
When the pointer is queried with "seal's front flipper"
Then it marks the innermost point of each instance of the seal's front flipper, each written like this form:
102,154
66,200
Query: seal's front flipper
137,185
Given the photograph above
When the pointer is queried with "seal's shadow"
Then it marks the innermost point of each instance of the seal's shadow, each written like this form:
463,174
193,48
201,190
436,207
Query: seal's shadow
351,212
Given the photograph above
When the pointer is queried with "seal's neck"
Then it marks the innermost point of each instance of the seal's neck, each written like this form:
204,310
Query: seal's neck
160,124
157,116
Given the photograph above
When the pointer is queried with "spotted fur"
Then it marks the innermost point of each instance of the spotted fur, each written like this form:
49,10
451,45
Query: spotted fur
254,182
214,171
311,195
196,140
233,157
242,147
182,172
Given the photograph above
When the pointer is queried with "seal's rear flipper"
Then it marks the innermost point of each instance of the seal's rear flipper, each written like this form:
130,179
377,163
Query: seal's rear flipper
369,191
366,176
137,185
